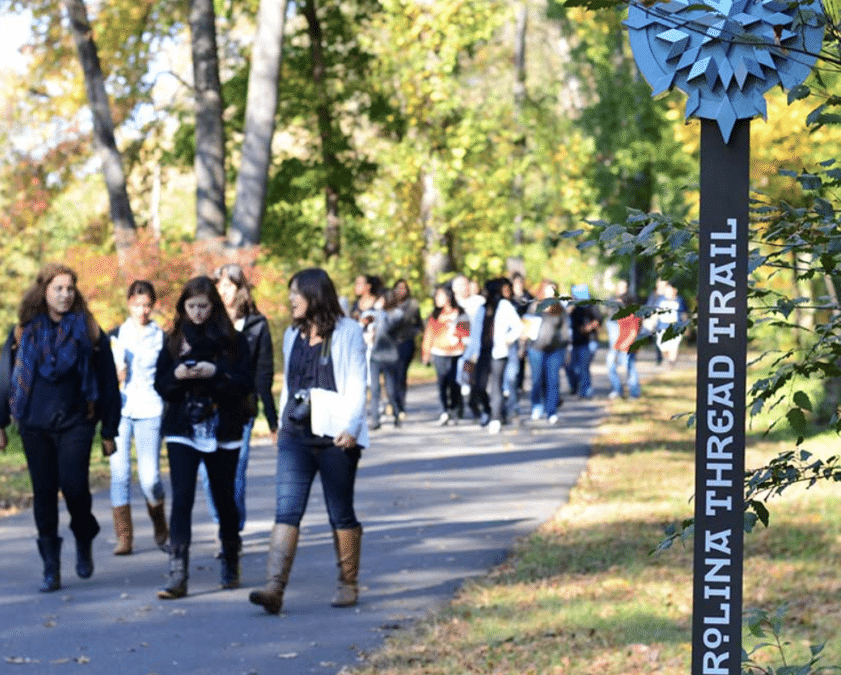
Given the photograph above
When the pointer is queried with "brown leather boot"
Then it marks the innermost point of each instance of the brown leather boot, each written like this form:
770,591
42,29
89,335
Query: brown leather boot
348,545
158,515
282,548
123,529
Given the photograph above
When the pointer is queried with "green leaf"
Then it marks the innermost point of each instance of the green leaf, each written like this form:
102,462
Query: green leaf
797,420
801,400
797,93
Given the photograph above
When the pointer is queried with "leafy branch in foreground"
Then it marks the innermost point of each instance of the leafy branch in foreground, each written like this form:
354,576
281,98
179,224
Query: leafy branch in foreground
763,625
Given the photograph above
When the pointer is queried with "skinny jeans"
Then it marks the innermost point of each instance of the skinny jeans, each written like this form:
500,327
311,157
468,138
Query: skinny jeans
627,361
221,467
390,374
545,380
239,479
495,385
60,460
147,443
406,352
297,464
449,392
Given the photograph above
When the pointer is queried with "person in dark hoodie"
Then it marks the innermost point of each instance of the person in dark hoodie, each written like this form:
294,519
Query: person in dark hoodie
57,380
204,376
235,291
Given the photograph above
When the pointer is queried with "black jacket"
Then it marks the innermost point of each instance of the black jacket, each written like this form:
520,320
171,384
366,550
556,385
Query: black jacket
54,402
256,331
229,387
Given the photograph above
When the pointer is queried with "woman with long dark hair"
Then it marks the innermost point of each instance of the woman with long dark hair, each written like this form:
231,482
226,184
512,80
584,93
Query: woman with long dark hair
57,380
322,350
410,327
235,291
500,327
204,376
444,341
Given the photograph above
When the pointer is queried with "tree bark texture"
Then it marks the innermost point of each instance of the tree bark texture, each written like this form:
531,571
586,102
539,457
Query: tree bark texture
260,111
326,132
103,125
519,98
210,138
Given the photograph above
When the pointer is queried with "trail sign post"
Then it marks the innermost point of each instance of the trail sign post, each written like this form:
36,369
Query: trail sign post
724,55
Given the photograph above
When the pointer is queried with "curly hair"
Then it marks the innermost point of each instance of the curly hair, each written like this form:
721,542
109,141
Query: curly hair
34,301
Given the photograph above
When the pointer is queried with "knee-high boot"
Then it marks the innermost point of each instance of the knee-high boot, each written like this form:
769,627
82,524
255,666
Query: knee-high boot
161,531
348,545
230,564
123,529
179,562
50,550
282,548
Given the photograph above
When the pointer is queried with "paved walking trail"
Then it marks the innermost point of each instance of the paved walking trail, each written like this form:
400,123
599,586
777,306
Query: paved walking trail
438,505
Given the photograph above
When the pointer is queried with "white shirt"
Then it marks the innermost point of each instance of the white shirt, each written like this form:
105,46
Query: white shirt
136,349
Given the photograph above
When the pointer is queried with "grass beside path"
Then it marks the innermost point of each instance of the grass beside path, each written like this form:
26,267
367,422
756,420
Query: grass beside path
583,595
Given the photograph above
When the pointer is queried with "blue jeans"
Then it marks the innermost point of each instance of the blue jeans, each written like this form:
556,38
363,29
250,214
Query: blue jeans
390,373
578,369
297,464
545,380
627,361
509,380
239,479
147,442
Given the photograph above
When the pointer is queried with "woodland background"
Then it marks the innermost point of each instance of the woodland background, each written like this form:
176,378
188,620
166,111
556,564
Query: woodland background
156,138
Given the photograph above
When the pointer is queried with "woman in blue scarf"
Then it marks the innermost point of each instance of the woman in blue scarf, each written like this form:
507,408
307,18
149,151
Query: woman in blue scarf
57,380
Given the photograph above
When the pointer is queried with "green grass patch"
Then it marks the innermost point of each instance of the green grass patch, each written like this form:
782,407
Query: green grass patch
585,595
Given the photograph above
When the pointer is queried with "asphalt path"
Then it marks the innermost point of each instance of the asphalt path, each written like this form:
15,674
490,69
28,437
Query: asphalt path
439,505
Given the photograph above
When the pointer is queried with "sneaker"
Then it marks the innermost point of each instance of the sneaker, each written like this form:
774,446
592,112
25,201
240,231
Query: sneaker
494,426
535,414
443,419
613,395
402,416
553,419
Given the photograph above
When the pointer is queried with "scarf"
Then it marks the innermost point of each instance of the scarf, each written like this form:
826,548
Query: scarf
52,353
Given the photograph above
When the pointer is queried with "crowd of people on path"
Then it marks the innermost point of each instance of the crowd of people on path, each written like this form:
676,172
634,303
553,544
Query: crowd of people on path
481,342
198,388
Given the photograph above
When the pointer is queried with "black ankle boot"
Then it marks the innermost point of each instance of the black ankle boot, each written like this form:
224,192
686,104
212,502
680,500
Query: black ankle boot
84,554
230,564
50,550
179,561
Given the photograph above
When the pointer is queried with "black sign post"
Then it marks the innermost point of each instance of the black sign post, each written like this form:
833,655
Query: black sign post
720,439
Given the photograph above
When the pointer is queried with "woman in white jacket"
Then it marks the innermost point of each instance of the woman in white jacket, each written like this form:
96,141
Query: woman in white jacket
321,349
498,326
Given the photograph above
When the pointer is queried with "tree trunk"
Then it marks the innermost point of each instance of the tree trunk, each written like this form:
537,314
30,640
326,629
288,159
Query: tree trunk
326,132
103,125
210,138
519,97
436,250
260,111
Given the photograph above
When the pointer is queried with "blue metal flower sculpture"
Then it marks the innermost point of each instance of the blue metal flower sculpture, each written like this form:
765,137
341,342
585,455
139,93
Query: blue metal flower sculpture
725,55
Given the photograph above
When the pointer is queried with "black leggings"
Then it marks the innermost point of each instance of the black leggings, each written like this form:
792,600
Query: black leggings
449,391
221,468
61,460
